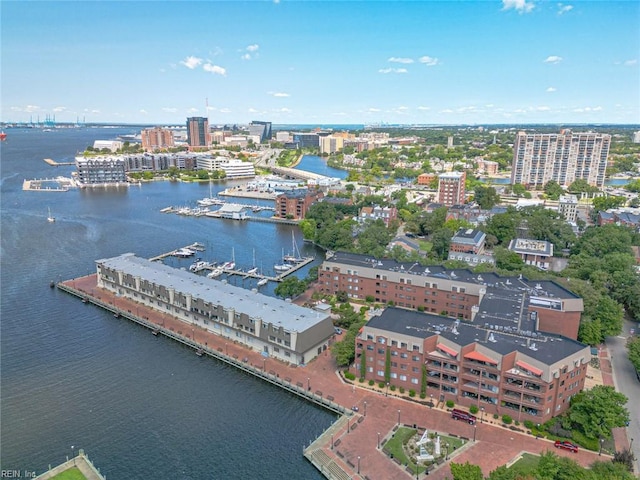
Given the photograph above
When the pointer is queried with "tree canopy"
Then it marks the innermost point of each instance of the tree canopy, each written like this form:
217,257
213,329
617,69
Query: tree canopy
598,410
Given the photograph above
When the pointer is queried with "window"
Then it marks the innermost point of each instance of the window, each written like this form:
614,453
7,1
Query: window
381,373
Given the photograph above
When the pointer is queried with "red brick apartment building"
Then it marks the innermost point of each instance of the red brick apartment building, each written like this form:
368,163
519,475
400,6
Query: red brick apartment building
506,344
295,203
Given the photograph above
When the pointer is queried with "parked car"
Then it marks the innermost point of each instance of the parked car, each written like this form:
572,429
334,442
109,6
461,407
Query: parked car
338,330
566,446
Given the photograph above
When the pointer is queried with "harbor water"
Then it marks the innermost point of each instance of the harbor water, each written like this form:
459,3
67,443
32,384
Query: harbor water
142,407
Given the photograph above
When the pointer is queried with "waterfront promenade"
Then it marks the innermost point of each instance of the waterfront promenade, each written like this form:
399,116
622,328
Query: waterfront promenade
354,437
80,462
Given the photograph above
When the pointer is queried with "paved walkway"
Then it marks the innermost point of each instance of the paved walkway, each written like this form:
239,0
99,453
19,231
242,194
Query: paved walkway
620,439
81,462
494,445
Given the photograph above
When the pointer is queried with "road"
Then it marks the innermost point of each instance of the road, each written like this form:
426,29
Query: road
625,380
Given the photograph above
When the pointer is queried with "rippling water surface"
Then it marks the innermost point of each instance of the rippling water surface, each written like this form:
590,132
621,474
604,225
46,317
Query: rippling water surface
142,407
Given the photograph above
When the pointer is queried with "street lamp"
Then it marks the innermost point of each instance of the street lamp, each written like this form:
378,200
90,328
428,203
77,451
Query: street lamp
358,465
73,455
398,417
264,364
348,426
308,383
482,417
332,441
475,427
431,404
601,443
378,441
365,408
446,451
387,392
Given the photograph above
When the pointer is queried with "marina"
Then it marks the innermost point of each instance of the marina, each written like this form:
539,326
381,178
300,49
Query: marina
229,268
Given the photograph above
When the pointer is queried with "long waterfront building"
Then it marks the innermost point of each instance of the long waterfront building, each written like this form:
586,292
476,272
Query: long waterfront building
271,326
565,157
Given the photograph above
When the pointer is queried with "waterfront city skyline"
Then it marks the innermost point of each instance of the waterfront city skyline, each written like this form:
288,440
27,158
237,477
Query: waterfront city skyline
510,61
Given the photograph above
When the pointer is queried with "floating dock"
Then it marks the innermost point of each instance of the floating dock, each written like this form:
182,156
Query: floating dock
58,184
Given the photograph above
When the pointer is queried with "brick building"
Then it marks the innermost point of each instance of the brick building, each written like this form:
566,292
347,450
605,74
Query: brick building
526,374
538,253
458,293
451,188
295,204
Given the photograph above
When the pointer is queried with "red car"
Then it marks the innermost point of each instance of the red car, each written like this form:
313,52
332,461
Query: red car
567,446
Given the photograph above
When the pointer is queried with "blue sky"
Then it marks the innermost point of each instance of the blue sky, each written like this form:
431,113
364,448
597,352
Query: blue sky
447,62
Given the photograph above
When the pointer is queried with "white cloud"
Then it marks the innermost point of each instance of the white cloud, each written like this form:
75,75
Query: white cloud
564,8
551,89
215,69
192,110
279,94
446,110
402,107
424,108
60,109
224,110
217,51
587,109
252,110
520,6
169,109
374,110
429,61
143,112
191,62
543,108
553,59
31,108
630,63
466,109
400,60
284,110
392,70
251,52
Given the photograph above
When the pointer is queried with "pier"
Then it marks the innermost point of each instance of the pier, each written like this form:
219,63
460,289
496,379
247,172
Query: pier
198,247
53,163
58,184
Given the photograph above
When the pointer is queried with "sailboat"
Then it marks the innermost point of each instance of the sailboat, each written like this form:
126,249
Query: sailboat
232,264
253,269
50,218
295,256
282,267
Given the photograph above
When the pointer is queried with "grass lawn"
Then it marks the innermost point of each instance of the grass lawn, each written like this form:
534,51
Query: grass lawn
527,464
71,474
394,445
425,246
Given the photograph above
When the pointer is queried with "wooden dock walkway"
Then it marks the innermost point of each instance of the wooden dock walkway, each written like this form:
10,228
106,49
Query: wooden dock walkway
53,163
197,247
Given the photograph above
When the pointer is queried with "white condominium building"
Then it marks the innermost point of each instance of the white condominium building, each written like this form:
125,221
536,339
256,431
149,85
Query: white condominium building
564,157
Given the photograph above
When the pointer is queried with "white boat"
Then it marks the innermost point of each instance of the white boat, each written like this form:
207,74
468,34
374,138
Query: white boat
263,281
183,252
295,256
253,270
232,264
199,266
210,200
216,272
283,267
50,218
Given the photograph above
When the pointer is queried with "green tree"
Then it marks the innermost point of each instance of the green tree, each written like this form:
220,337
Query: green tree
519,189
613,470
633,347
503,226
633,186
601,204
466,471
581,185
290,287
598,410
486,197
553,190
507,260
